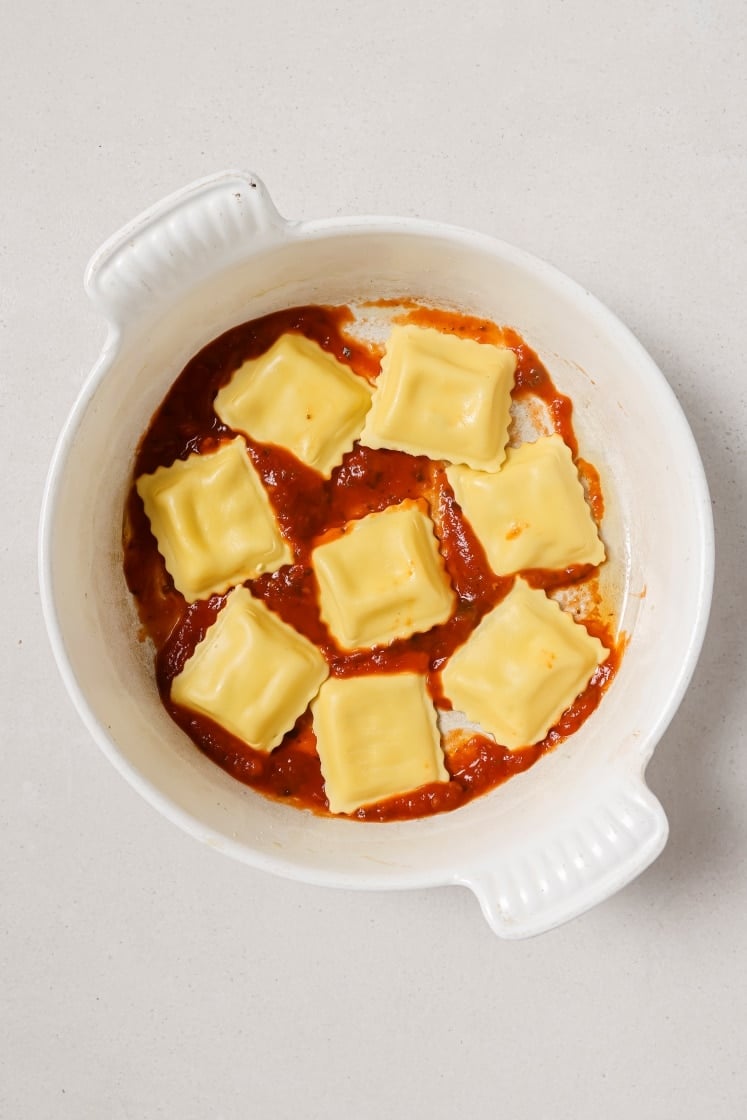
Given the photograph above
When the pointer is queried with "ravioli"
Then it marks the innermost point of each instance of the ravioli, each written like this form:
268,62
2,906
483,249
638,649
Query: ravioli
382,579
300,397
212,521
522,667
442,396
532,513
251,673
361,600
376,737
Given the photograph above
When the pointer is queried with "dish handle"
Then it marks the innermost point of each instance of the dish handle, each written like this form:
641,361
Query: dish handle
593,852
178,243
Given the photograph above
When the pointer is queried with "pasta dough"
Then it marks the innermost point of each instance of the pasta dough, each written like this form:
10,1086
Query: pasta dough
300,397
442,396
526,662
532,513
376,737
251,673
383,578
212,520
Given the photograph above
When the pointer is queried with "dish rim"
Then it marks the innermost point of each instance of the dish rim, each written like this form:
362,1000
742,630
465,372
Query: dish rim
345,227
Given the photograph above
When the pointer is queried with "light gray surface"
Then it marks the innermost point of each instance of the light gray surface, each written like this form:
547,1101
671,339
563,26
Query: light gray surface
144,976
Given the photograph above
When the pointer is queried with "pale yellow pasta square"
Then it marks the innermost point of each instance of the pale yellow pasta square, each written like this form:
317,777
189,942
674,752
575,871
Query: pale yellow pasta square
383,579
213,521
251,673
300,397
376,737
533,512
442,396
522,667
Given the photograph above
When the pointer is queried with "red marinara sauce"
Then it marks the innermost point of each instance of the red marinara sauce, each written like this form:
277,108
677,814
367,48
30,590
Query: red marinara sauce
307,506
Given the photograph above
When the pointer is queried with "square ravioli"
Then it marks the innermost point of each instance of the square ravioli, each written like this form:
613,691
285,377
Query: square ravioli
382,579
251,673
531,514
300,397
213,521
522,667
442,396
376,737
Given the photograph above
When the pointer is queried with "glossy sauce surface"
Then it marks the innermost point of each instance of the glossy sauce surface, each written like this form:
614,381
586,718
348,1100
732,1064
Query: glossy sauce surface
308,506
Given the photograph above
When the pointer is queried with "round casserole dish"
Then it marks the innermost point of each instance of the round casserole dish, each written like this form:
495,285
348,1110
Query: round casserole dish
552,841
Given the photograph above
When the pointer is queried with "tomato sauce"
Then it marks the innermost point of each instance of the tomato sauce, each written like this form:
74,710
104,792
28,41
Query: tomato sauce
309,506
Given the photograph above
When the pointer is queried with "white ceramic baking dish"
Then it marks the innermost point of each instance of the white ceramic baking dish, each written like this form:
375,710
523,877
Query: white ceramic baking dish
549,843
